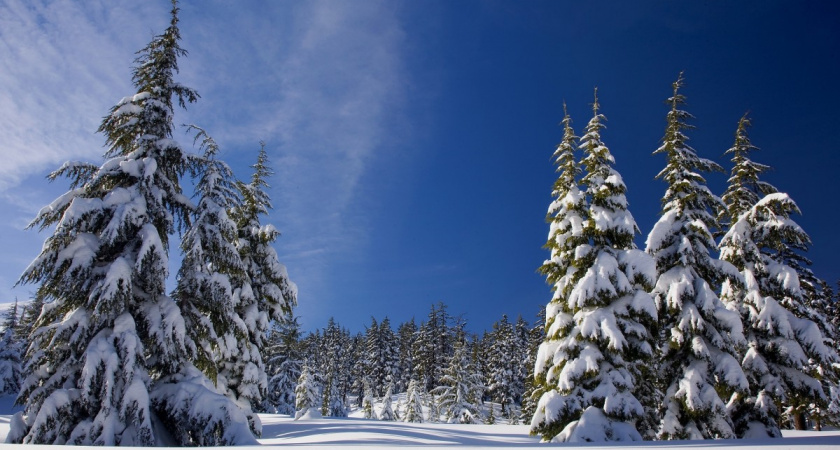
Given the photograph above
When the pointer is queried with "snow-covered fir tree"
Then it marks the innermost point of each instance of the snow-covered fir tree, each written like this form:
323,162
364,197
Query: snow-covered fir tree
813,306
263,294
503,381
781,344
367,402
491,415
373,370
786,357
11,352
406,333
389,353
381,355
461,388
434,408
284,361
414,402
102,277
358,369
822,309
566,215
210,261
307,392
753,413
600,315
699,370
386,412
335,369
332,399
522,353
433,346
768,233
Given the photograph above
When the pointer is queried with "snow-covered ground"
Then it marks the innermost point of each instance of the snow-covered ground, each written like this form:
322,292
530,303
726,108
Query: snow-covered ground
358,433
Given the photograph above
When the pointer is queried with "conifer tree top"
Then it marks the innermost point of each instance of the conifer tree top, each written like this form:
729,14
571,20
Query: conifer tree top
683,167
255,200
564,157
745,189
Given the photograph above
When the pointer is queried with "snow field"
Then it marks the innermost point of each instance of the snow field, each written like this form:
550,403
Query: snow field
354,432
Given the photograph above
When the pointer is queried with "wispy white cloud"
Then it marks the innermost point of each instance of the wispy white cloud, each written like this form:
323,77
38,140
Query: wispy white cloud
319,81
61,64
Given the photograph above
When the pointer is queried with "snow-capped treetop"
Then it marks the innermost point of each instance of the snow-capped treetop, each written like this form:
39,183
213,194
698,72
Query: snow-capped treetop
566,214
269,281
140,126
609,221
564,159
687,191
684,233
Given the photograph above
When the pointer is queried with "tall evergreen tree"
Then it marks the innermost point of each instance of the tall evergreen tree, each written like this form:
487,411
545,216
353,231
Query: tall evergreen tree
566,216
753,413
502,378
406,334
389,353
283,365
358,369
307,392
765,244
110,351
210,262
433,346
373,361
698,368
461,388
334,369
744,192
387,411
367,402
414,403
263,294
599,334
782,345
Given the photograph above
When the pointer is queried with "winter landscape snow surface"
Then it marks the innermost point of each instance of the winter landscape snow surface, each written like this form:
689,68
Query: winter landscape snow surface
356,432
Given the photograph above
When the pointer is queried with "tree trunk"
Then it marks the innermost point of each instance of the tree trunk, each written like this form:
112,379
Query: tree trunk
799,422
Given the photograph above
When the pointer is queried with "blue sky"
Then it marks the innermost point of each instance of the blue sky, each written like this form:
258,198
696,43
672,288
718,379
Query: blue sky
412,139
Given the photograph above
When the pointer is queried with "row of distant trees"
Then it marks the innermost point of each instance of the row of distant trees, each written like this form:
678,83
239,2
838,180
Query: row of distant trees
717,329
333,370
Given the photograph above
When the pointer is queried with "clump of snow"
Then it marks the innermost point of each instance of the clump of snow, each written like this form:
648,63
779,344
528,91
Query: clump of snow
595,426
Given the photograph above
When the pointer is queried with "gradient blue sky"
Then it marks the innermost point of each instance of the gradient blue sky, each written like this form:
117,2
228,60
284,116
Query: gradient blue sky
412,139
